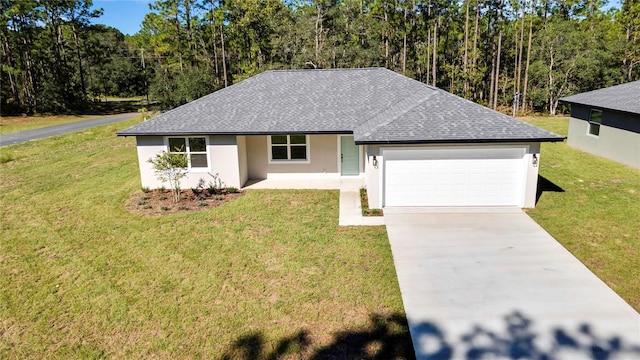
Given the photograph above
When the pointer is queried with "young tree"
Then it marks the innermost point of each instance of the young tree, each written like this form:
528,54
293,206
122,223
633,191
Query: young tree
170,167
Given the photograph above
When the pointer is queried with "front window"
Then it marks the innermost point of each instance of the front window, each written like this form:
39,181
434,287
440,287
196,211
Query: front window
195,148
289,148
595,120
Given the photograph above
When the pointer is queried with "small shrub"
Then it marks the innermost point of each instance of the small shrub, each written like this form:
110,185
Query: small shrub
219,198
203,204
164,208
202,196
141,202
147,207
183,208
145,189
171,167
163,198
162,189
200,187
232,190
145,198
215,185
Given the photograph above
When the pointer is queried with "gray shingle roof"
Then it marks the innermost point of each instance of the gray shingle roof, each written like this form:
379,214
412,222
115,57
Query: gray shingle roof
375,104
624,97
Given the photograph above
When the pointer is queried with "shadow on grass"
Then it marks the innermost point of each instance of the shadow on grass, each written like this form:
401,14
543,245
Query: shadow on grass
383,337
387,337
544,185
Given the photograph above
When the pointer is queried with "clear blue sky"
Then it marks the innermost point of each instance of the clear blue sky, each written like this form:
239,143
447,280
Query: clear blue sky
127,15
124,15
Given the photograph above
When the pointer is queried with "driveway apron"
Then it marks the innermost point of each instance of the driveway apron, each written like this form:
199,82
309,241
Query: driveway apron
491,283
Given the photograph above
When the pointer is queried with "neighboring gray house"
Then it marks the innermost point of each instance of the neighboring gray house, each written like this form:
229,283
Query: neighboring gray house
412,144
606,122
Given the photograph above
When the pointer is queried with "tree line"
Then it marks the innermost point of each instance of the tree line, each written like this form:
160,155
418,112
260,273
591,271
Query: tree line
521,54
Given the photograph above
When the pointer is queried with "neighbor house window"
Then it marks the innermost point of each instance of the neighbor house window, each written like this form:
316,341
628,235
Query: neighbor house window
195,148
288,148
595,119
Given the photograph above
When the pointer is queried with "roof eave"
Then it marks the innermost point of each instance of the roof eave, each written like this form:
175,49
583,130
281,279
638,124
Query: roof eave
571,102
456,141
187,133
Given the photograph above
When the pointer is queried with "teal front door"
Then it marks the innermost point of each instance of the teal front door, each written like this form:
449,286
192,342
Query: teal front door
349,156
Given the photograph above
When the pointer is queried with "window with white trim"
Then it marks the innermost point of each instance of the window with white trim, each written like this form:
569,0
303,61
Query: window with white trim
595,120
194,148
294,148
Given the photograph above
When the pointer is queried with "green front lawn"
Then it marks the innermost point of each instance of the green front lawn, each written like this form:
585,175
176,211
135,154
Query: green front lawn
597,217
271,271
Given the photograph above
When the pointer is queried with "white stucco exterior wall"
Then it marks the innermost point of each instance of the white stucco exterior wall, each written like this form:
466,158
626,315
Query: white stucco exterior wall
615,144
148,147
223,156
531,176
242,159
225,159
373,176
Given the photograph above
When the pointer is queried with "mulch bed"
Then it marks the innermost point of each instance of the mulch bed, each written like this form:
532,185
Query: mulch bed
160,202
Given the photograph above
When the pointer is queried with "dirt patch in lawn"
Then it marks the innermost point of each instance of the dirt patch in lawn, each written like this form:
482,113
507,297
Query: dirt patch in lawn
160,202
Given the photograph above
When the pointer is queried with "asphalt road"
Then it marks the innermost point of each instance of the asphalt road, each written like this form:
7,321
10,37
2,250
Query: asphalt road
24,136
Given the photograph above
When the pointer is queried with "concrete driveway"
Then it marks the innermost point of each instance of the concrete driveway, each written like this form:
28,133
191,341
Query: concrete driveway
491,283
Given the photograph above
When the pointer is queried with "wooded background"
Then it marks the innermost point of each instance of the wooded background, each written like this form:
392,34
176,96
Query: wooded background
493,52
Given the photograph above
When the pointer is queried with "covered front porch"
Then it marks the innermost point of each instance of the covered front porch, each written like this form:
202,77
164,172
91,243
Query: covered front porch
351,183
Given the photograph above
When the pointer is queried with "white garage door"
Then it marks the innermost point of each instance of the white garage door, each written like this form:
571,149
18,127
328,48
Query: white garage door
463,176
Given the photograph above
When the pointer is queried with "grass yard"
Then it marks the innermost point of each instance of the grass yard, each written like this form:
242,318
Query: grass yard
597,217
269,273
11,124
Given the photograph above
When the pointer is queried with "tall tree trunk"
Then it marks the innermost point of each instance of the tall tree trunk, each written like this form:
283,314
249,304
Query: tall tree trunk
474,62
550,83
29,83
428,49
80,69
495,92
214,49
519,69
493,78
179,40
526,68
385,35
497,80
189,29
8,55
465,87
435,51
224,58
404,43
318,39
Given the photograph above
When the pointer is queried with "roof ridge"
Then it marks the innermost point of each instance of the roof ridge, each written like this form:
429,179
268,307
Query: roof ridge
372,125
612,87
323,70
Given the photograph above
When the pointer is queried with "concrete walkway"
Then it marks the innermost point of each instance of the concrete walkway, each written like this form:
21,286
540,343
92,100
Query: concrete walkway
350,209
491,283
24,136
